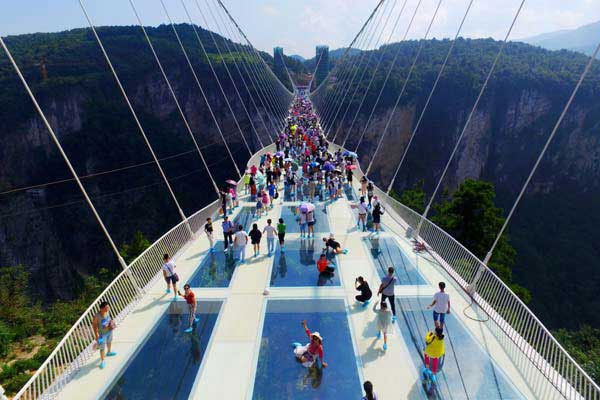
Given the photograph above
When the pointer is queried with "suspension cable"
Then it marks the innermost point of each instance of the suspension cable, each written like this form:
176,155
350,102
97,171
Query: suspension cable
355,69
135,117
193,71
235,88
170,87
364,72
408,76
541,156
379,62
389,73
312,77
233,57
212,68
437,79
63,154
282,109
467,123
244,61
106,172
324,104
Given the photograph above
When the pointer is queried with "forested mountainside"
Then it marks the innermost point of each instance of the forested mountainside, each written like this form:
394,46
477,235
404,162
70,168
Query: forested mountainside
555,230
49,229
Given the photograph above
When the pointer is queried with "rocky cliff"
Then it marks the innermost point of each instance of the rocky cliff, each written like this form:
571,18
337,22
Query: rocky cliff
555,228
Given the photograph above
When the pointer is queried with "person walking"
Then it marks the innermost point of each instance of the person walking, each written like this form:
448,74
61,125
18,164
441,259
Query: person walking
369,393
190,300
227,226
103,327
370,189
383,321
208,229
168,270
363,186
441,306
265,200
255,236
281,234
223,195
310,222
271,232
386,289
365,291
377,213
303,223
362,213
434,349
240,240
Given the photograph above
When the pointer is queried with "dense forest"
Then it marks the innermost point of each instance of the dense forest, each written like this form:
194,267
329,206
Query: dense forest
550,256
56,259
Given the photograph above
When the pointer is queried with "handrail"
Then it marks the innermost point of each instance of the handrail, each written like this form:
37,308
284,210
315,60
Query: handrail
515,323
123,294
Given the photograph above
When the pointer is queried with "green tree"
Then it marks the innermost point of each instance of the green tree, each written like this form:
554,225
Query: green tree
139,243
471,217
584,346
412,198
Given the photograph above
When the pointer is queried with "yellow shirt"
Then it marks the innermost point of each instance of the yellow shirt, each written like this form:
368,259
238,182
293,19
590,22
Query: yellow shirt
434,347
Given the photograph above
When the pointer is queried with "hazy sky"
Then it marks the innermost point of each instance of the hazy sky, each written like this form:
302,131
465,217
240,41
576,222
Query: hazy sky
299,26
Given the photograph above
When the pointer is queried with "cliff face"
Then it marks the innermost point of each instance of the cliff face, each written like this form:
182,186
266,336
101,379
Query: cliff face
49,229
505,137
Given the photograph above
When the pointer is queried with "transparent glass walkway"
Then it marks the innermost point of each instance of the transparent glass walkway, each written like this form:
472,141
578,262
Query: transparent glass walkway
241,348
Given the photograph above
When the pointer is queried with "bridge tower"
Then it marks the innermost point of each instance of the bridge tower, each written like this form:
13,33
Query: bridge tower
322,57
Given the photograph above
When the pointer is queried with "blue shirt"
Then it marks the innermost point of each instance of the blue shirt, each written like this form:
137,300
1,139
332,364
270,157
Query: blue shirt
227,225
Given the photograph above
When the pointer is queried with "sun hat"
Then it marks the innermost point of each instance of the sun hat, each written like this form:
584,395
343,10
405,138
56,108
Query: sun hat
317,334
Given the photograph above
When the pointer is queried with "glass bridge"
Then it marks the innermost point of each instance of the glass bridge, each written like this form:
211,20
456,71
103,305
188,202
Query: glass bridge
250,314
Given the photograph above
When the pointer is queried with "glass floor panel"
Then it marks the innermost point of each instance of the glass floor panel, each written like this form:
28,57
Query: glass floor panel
349,191
280,376
166,365
297,266
386,253
289,215
215,269
468,371
245,218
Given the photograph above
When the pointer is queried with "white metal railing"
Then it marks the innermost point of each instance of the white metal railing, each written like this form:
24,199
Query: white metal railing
123,294
529,344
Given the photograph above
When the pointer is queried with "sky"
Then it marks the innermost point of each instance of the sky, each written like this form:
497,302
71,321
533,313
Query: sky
299,26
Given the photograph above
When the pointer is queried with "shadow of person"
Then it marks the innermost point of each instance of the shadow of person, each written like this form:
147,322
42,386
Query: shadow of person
372,353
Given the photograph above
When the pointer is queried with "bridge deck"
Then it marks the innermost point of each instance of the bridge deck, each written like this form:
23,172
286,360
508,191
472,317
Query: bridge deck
228,367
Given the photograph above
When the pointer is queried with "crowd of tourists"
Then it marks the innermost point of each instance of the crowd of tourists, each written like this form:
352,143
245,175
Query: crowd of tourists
306,171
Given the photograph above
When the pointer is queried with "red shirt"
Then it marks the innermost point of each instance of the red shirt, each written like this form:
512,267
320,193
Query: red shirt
190,298
322,263
314,348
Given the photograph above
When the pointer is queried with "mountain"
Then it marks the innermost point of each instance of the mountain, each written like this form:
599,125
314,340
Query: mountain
555,228
338,53
49,229
298,57
583,39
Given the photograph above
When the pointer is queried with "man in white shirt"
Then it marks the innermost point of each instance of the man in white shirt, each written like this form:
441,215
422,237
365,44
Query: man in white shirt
271,233
168,270
240,240
441,306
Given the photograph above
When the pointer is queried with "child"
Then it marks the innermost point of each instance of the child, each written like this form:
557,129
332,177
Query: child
272,189
434,348
281,234
265,200
190,299
383,321
259,207
323,265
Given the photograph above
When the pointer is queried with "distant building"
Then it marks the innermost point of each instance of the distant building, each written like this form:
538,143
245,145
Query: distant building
322,57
